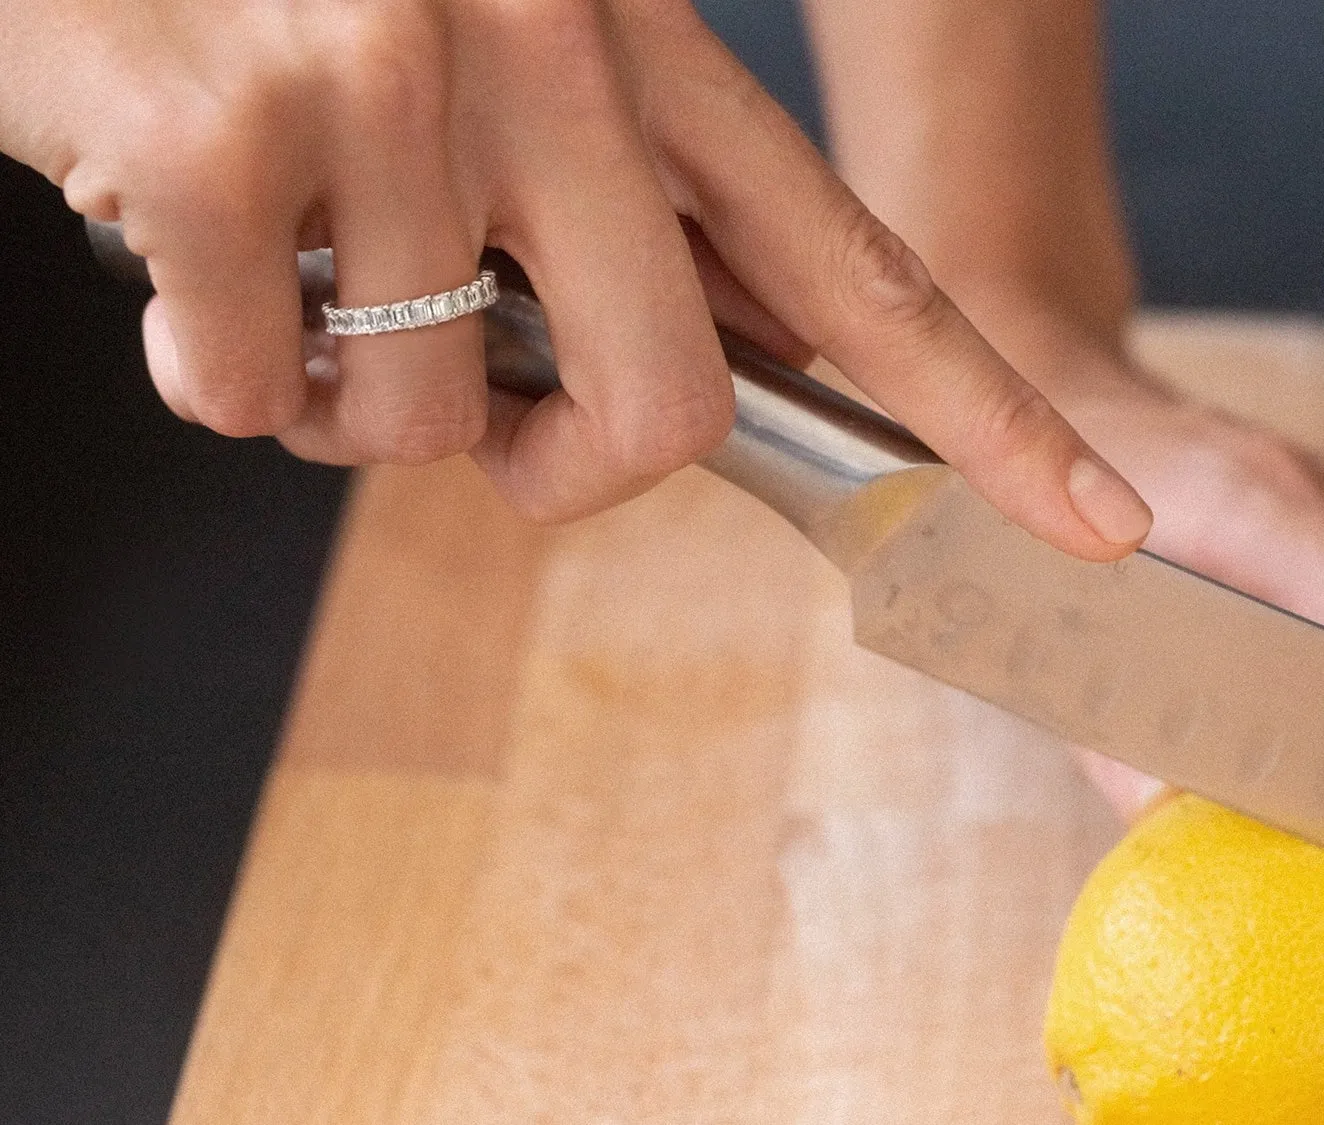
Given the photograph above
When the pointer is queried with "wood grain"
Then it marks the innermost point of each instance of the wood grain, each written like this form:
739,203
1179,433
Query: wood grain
613,824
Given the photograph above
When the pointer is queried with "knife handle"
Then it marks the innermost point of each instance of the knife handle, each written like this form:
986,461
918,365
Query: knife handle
797,445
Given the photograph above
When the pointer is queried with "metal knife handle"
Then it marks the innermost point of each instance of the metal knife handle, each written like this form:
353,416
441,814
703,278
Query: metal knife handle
797,445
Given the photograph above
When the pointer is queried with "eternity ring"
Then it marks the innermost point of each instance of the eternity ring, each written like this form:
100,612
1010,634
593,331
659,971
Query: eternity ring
400,316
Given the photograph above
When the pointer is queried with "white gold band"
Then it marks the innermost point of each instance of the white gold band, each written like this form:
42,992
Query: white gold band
423,312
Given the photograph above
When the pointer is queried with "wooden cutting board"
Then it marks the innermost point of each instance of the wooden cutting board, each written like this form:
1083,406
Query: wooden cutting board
613,824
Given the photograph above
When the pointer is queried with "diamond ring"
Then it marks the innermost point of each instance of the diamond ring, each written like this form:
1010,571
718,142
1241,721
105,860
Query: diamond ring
423,312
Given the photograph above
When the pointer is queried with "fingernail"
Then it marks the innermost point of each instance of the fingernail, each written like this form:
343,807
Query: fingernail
163,360
1107,503
1149,793
159,343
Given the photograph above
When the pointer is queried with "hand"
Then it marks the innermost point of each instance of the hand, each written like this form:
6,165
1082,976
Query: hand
407,134
1231,500
1004,181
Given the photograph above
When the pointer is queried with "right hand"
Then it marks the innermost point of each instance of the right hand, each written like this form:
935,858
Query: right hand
407,134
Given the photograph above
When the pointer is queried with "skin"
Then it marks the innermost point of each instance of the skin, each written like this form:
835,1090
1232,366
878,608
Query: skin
977,126
575,134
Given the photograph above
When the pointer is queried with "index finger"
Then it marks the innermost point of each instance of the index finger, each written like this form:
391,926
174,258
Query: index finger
813,255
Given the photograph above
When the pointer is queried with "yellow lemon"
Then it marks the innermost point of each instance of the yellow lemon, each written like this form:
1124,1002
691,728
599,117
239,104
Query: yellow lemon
1190,981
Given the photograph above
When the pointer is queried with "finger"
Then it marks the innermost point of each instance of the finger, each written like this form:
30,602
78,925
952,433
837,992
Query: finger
223,337
646,388
733,307
163,360
809,252
317,436
399,233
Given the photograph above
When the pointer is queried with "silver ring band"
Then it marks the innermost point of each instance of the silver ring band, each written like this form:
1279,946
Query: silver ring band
423,312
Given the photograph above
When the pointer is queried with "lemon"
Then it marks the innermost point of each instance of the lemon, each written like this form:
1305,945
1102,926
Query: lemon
1190,982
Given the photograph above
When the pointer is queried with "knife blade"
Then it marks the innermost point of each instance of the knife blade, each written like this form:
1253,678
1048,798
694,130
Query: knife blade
1142,660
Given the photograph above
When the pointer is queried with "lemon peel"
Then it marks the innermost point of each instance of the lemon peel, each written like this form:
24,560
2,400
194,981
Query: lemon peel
1189,987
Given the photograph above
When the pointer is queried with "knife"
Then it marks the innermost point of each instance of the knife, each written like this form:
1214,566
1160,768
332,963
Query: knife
1142,660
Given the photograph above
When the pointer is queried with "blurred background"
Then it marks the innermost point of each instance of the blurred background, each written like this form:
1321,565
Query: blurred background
156,581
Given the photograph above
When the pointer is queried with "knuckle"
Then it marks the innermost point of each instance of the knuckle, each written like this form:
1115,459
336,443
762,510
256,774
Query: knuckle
561,39
396,80
738,87
88,193
192,140
880,273
209,171
1014,422
1255,469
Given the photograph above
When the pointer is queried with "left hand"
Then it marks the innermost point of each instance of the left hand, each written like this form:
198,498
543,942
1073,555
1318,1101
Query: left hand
1003,180
1231,500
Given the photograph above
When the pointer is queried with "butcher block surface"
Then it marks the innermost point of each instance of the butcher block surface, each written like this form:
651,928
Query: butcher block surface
613,824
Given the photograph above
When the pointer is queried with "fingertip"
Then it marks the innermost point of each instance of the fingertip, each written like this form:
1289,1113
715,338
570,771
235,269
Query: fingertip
735,308
1107,503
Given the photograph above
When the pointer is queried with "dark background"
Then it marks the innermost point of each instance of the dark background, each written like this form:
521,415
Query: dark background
156,581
